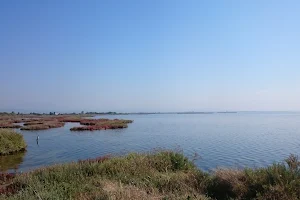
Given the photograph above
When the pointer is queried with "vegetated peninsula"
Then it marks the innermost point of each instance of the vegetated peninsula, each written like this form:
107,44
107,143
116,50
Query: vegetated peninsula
157,175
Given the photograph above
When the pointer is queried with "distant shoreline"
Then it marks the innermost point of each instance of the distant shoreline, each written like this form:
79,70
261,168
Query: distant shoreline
107,113
91,114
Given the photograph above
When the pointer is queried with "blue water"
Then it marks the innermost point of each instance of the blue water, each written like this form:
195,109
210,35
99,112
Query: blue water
220,140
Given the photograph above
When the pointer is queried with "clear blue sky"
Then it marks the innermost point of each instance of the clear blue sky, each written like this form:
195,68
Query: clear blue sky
156,55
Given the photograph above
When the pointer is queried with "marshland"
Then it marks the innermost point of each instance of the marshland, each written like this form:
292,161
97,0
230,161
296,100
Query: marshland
217,159
44,122
157,175
149,100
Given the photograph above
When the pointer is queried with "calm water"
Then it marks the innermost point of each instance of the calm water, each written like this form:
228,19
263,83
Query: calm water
223,140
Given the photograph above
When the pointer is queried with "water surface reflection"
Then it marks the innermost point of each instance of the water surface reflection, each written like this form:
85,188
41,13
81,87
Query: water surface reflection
222,140
11,163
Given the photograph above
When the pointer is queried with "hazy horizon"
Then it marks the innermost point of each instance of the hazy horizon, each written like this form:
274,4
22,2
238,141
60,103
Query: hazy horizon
187,111
155,56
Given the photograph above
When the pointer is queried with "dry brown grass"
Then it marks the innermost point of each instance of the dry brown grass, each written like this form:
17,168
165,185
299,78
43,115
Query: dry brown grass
230,182
113,190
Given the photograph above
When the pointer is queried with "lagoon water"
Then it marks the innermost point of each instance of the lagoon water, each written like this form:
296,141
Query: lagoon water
246,139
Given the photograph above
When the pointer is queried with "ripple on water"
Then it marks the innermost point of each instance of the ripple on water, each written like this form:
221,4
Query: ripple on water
236,140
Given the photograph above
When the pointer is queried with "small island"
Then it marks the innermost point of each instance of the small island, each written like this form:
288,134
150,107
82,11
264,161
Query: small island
101,124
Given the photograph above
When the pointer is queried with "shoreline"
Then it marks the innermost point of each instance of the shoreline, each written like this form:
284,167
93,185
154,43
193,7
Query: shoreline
160,174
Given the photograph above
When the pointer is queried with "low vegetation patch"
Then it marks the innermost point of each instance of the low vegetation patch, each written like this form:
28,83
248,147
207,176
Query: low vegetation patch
8,124
11,142
101,124
30,126
31,123
159,175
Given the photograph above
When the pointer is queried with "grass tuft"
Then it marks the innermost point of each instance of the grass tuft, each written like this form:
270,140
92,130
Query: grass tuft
11,142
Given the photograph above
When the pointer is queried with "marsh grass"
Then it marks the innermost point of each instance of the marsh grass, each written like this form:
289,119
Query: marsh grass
42,122
279,181
101,124
11,142
158,175
8,124
42,125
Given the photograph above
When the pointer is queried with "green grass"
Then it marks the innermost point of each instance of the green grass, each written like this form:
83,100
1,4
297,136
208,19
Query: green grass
11,142
158,175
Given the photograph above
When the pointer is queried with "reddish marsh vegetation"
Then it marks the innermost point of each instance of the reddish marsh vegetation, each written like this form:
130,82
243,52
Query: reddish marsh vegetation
101,124
5,177
9,124
6,186
42,125
43,122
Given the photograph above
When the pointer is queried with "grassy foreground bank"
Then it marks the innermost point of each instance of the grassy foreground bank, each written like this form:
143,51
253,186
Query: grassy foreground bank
11,142
158,175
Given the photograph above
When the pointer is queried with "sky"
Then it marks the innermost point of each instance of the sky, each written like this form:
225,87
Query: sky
149,56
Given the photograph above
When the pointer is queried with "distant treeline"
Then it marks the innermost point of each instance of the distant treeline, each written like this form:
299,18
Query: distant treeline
102,113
